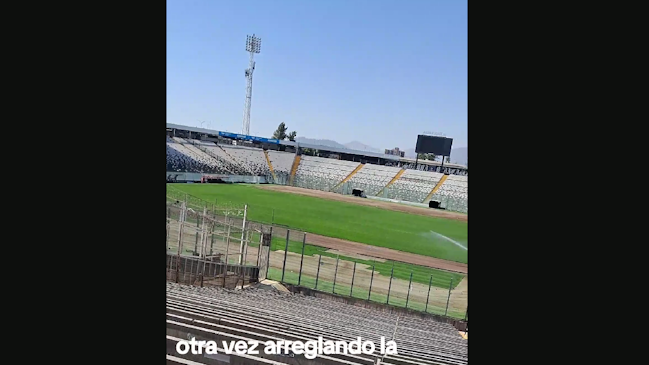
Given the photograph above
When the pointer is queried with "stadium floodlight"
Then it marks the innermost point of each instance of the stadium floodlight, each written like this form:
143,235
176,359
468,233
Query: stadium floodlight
253,45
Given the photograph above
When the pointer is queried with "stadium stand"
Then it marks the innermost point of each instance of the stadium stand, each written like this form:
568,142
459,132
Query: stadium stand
262,315
455,192
326,174
322,173
252,158
176,161
413,185
236,167
202,143
180,158
188,156
198,158
436,188
372,178
282,161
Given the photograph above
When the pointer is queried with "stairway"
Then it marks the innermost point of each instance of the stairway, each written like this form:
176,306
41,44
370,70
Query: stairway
395,178
296,163
437,186
270,165
351,174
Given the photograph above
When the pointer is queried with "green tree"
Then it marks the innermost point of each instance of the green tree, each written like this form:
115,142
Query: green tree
280,132
427,156
307,151
291,136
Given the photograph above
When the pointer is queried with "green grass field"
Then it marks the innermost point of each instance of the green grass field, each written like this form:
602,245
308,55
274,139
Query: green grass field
373,226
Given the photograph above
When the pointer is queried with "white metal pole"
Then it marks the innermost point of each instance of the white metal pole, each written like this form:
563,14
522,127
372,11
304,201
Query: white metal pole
181,226
202,253
243,231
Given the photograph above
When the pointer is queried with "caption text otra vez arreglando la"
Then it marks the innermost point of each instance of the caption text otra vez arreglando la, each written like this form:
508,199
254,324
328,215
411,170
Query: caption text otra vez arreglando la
310,348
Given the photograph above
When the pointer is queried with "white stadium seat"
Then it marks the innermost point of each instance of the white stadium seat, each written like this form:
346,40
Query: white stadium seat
326,174
322,173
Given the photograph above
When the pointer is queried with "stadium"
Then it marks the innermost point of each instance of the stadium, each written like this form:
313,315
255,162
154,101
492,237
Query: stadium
272,239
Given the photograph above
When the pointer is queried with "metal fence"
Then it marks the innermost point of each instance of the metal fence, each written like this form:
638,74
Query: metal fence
224,209
209,247
293,261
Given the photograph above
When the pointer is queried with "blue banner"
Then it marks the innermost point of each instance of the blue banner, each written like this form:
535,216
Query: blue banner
248,138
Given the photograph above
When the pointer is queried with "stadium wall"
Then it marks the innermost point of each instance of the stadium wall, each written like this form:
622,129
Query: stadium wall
177,176
195,177
243,179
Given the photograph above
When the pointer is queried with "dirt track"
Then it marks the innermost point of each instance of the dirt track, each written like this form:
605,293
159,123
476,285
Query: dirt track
379,252
385,253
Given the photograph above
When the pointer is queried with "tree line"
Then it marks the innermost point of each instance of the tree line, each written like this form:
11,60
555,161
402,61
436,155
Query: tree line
431,157
280,133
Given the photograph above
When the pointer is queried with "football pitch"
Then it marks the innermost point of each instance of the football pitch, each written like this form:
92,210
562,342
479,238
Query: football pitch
428,236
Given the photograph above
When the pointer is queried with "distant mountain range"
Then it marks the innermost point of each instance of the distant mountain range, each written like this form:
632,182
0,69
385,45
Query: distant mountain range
322,142
458,155
355,145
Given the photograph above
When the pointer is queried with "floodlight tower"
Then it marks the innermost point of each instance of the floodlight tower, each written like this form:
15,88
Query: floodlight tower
253,45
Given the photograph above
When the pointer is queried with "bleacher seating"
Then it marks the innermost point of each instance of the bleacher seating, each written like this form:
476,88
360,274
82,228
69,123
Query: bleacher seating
180,158
454,193
178,140
237,167
185,155
282,161
176,161
252,158
263,315
202,142
413,185
207,162
208,157
372,178
322,173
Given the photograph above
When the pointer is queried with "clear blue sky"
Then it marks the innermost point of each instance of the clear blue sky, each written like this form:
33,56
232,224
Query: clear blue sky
376,71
